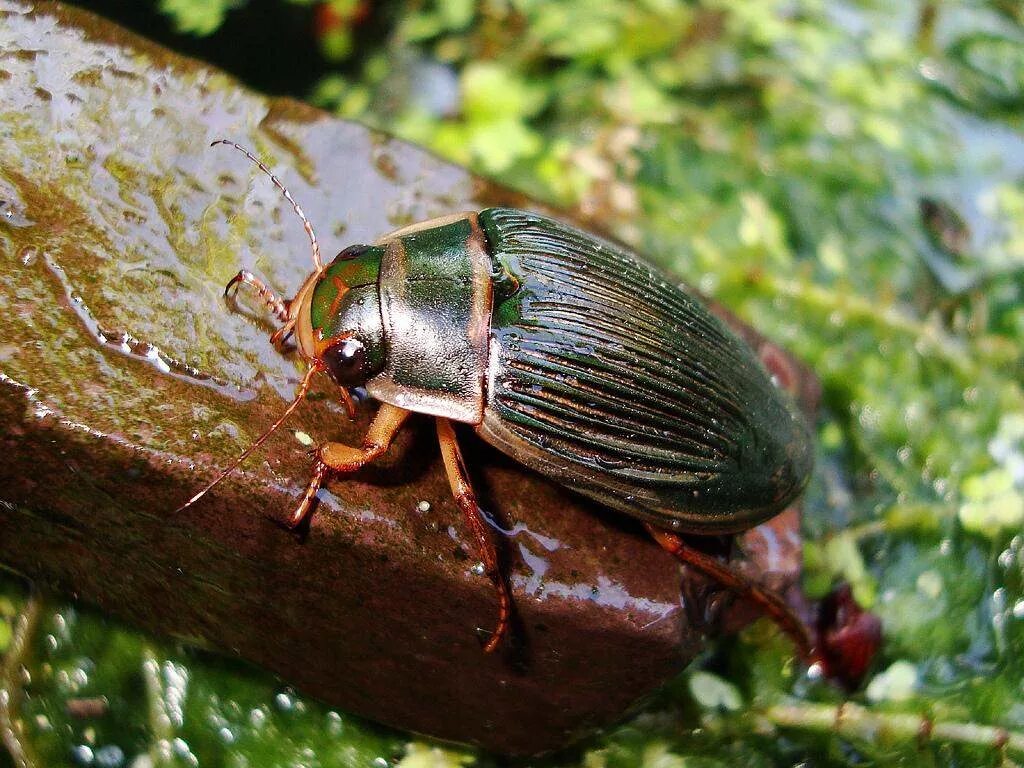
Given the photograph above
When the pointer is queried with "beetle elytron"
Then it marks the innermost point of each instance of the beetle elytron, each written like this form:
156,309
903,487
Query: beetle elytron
566,353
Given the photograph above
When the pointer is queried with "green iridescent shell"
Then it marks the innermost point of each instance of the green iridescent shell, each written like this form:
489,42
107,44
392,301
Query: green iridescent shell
620,384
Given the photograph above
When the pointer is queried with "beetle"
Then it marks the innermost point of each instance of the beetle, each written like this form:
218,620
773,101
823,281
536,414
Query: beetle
567,353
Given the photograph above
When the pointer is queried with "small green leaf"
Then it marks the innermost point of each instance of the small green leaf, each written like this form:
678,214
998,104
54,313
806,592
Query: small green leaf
421,755
500,143
714,693
492,91
198,17
992,503
5,634
897,683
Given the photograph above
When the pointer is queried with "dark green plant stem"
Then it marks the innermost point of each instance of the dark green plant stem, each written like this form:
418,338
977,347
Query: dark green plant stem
856,722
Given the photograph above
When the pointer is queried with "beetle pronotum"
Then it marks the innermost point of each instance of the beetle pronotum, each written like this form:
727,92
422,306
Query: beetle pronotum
565,352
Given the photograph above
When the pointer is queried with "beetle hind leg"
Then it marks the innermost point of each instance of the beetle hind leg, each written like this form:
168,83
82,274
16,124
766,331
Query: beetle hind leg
771,603
338,457
465,500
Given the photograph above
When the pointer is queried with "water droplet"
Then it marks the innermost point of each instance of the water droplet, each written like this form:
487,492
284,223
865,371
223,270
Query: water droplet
999,599
182,750
110,756
423,506
127,344
334,723
82,754
13,213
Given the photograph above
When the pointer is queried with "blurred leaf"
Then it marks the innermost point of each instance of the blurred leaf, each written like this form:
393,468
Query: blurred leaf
897,683
491,92
198,17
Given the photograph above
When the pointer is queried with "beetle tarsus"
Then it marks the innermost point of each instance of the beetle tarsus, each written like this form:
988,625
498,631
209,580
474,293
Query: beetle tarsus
474,518
281,335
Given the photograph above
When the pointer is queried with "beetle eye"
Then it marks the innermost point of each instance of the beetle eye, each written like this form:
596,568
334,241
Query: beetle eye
346,362
352,252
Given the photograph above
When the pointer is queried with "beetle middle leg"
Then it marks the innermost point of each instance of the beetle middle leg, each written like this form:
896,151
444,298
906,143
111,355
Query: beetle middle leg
465,500
769,602
338,457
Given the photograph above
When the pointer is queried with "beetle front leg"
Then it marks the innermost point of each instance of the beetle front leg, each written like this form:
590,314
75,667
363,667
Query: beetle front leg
274,303
338,457
280,307
465,500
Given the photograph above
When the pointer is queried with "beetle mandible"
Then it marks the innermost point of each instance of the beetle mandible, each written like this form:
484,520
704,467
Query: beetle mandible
565,352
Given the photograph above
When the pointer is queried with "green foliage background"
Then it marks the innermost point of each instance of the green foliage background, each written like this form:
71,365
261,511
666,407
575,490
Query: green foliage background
775,154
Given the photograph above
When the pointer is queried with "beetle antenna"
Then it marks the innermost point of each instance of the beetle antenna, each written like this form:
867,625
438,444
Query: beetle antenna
303,388
317,261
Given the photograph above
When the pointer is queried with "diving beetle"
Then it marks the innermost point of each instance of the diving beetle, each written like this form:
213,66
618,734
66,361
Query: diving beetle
567,353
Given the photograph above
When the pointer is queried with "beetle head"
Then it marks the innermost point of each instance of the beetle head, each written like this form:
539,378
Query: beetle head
339,326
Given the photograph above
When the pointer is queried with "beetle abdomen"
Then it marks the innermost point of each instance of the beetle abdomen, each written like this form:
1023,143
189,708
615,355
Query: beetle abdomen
609,378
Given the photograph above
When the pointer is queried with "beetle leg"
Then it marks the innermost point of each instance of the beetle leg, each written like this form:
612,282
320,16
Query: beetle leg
465,500
338,457
769,602
274,303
